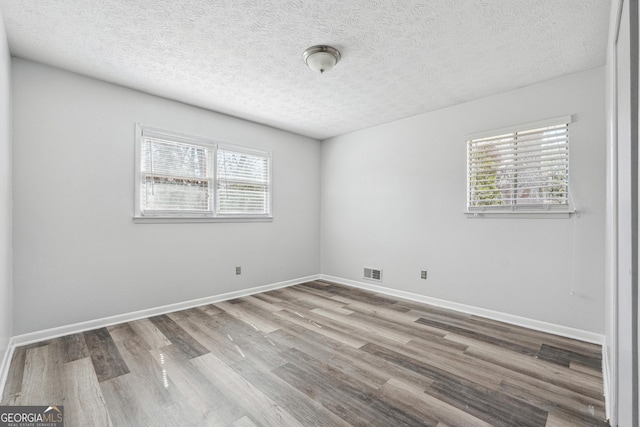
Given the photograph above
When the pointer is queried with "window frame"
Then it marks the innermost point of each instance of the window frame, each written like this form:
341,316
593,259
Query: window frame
211,215
525,210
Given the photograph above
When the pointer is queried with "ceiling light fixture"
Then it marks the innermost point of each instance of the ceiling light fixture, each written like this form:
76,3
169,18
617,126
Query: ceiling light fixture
321,58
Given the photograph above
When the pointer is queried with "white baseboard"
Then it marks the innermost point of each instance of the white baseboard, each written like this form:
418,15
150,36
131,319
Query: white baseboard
4,367
537,325
47,334
606,383
51,333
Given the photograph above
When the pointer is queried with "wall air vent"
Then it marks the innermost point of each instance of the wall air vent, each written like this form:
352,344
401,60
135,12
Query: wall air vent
373,274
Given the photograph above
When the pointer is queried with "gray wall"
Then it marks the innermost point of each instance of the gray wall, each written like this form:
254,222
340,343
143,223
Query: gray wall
393,197
78,255
6,306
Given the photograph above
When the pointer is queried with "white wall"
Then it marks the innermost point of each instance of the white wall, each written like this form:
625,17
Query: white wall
6,305
625,252
393,197
77,253
609,367
622,226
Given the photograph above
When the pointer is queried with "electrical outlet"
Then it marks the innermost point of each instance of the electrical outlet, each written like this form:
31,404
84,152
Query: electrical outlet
238,271
423,274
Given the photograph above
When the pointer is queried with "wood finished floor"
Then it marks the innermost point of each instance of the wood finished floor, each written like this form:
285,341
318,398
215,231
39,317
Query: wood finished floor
316,354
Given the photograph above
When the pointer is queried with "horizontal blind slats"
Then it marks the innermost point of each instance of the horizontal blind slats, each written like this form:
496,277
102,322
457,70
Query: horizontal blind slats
517,148
532,140
243,183
514,162
176,175
507,147
522,167
542,124
174,158
185,175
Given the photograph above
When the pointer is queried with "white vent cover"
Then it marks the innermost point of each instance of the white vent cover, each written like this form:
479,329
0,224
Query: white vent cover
373,274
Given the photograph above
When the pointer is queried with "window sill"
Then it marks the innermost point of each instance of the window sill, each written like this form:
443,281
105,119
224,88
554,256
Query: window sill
521,214
191,219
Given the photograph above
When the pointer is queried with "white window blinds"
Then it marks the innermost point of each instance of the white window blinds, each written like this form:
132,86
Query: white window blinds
182,176
522,168
176,176
243,182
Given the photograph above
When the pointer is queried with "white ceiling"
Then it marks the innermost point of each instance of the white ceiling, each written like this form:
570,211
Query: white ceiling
244,57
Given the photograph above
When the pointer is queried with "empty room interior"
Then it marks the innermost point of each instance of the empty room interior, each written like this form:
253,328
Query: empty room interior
304,213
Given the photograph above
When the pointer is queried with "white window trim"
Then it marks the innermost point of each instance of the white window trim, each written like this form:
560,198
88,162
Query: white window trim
140,218
547,211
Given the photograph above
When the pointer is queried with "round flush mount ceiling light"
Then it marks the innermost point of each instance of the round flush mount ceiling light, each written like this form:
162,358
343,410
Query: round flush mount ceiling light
321,58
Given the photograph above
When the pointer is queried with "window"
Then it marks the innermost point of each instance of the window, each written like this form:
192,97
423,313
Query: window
186,177
243,182
525,168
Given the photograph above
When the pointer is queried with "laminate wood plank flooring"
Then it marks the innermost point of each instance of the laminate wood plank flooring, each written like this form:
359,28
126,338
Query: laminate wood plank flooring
316,354
105,356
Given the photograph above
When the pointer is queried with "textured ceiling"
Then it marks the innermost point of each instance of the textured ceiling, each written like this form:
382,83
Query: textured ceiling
244,57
